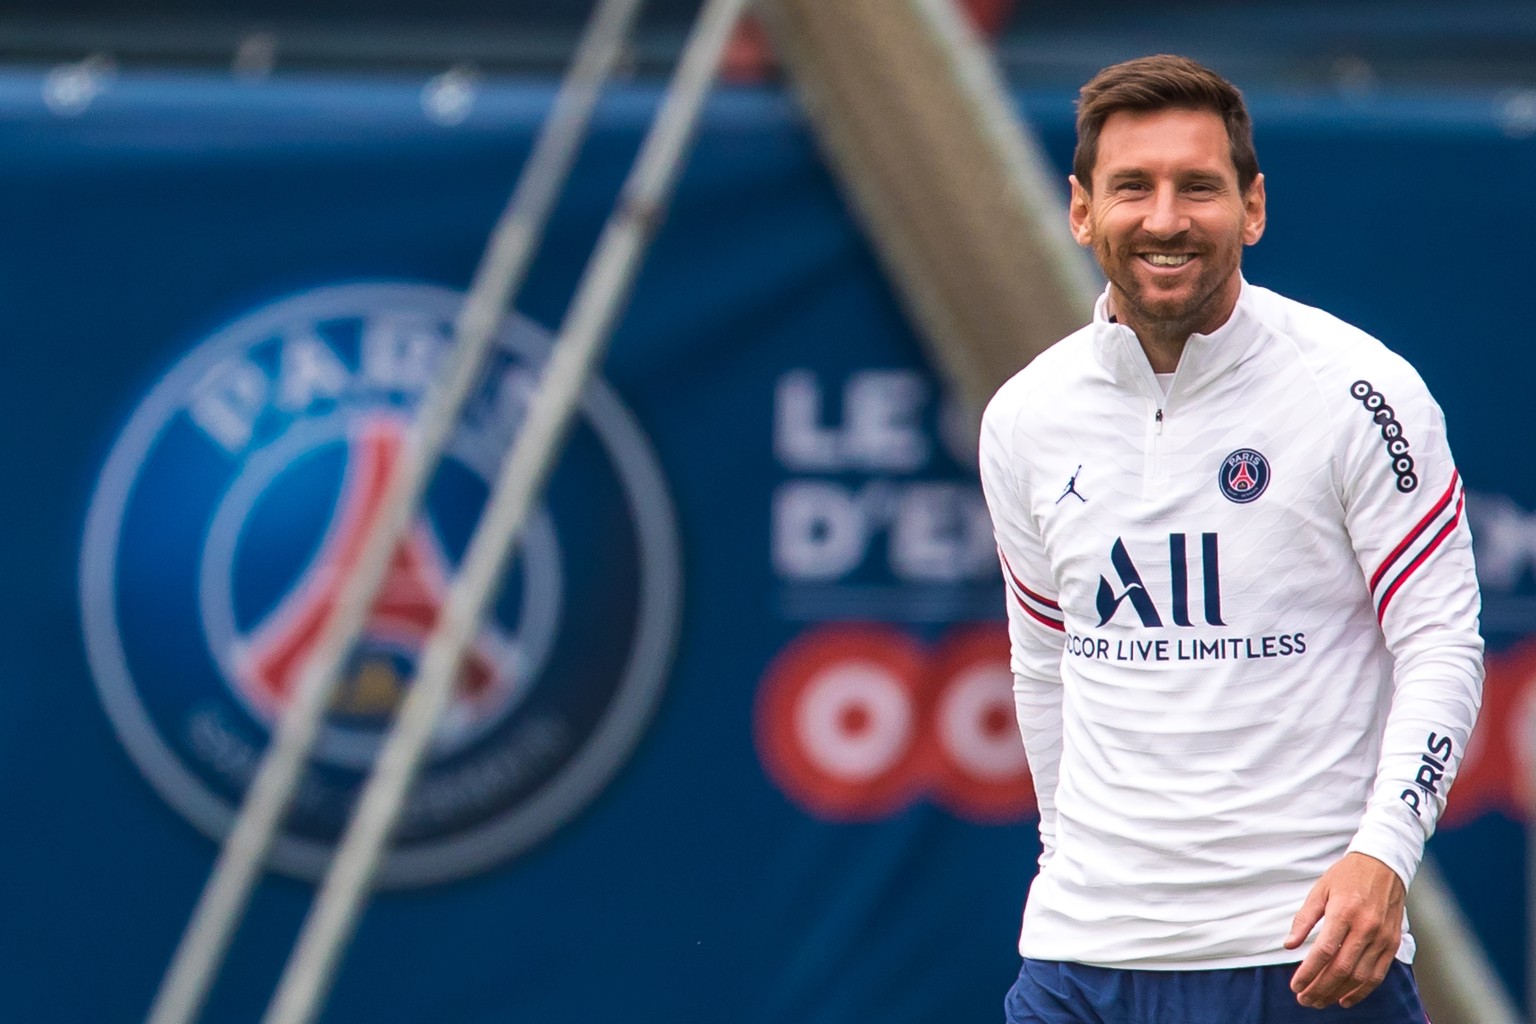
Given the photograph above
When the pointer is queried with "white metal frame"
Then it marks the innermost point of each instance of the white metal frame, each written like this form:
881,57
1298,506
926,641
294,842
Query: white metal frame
603,288
501,272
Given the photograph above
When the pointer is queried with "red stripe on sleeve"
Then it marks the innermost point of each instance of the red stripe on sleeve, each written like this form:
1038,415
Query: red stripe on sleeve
1020,584
1058,626
1413,534
1445,531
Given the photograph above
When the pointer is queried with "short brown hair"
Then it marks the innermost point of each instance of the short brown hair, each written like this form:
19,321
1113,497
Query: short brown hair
1163,82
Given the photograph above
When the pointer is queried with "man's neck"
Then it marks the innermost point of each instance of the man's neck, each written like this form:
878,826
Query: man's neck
1162,352
1162,348
1164,341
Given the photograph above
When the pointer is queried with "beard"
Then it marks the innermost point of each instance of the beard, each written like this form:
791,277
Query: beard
1174,313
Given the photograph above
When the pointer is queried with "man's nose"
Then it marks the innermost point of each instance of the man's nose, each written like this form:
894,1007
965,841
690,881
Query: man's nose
1165,219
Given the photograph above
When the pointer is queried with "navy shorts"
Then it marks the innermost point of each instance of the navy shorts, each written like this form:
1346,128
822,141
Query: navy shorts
1049,992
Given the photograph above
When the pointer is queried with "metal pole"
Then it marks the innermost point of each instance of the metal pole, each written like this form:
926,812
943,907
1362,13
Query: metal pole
1034,182
501,272
603,288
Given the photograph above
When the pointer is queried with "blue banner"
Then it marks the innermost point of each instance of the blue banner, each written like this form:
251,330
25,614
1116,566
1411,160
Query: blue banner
736,742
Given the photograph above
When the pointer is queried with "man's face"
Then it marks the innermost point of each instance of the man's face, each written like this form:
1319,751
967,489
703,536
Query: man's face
1166,220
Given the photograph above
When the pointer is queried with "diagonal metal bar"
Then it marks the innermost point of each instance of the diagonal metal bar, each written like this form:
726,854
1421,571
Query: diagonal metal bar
497,279
603,288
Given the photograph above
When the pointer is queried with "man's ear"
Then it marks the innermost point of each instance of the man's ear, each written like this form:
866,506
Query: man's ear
1077,212
1253,212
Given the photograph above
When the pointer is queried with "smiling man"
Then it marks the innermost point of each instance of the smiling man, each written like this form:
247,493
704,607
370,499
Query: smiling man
1246,655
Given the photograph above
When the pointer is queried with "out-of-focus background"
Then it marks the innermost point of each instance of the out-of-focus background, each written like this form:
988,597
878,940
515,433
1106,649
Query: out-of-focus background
735,744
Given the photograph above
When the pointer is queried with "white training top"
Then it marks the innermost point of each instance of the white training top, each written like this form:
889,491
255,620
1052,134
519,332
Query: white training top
1244,627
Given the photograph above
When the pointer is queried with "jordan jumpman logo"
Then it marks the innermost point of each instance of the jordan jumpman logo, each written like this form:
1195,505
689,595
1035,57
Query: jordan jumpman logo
1071,488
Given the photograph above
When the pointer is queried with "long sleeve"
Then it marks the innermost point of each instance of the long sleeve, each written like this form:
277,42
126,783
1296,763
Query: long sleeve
1404,510
1035,626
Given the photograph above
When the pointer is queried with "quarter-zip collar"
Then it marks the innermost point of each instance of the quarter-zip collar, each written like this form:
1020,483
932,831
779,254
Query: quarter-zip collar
1205,356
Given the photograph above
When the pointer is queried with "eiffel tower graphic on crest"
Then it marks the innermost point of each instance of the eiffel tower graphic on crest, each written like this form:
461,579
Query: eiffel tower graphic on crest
404,612
1241,478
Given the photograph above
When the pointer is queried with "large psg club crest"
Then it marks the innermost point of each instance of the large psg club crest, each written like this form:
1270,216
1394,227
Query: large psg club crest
236,499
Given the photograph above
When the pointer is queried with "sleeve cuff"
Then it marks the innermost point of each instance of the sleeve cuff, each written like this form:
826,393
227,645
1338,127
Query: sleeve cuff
1399,845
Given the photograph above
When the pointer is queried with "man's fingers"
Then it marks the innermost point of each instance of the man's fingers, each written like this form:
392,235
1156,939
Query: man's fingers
1355,995
1346,959
1340,977
1307,917
1347,974
1319,959
1371,977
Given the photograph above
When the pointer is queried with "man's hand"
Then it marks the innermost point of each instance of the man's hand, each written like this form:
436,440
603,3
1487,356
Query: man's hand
1360,900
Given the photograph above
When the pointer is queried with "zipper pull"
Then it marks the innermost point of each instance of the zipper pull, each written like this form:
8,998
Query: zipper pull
1159,420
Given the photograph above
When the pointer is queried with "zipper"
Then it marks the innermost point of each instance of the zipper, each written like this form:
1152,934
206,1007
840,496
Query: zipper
1151,470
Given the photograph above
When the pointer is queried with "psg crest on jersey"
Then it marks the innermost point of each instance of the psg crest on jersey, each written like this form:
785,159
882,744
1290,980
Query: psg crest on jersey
1244,475
235,500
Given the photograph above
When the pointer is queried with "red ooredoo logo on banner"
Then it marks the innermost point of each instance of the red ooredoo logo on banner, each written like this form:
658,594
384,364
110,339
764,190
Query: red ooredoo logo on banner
856,722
